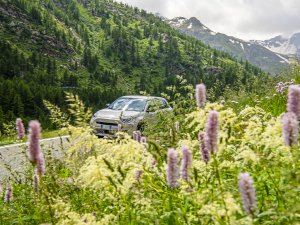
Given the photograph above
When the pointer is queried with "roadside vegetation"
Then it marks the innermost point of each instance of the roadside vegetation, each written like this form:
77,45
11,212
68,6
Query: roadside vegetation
214,162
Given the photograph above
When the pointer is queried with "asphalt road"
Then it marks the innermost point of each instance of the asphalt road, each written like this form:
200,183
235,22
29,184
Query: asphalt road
14,157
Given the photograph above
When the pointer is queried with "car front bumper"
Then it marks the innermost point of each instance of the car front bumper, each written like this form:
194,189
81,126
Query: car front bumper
101,130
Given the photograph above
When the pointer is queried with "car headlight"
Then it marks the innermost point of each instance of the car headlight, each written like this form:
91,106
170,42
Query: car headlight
95,115
126,119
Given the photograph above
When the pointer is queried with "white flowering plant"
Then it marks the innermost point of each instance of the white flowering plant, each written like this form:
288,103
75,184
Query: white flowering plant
250,175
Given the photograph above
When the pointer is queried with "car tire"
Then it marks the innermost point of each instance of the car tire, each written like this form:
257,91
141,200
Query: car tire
141,126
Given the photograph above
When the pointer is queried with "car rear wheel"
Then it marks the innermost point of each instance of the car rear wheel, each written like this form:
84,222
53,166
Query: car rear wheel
141,126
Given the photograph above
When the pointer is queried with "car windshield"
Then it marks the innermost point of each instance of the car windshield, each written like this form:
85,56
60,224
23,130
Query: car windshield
129,104
136,105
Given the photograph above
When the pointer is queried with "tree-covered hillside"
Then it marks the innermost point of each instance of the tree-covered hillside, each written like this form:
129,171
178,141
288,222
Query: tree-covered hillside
100,50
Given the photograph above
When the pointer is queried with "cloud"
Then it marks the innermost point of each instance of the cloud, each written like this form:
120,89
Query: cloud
246,19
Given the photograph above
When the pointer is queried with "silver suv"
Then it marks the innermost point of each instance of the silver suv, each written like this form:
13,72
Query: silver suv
127,113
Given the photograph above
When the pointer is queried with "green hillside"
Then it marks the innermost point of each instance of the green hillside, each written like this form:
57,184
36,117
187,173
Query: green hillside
99,50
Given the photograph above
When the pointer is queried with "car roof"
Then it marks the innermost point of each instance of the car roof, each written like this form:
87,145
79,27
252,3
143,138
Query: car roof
140,97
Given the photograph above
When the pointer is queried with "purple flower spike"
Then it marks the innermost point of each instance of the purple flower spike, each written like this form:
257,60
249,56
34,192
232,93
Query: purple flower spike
154,162
186,162
20,128
36,181
40,165
8,194
134,135
35,154
293,104
143,140
247,191
211,130
290,128
172,168
138,174
204,151
138,136
34,140
200,95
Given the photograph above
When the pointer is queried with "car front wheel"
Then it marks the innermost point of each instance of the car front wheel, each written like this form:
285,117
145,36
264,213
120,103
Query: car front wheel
141,126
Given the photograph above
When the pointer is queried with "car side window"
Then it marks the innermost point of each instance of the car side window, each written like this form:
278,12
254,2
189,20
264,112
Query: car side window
152,105
156,104
163,104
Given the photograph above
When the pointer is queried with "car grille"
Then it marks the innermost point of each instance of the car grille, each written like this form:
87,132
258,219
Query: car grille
105,123
105,126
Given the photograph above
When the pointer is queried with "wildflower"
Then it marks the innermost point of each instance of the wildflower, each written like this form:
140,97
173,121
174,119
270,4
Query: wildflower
290,128
134,135
293,104
34,140
154,162
35,154
204,151
143,140
20,128
200,95
247,191
8,194
138,174
36,181
172,168
186,162
138,136
40,165
281,87
211,130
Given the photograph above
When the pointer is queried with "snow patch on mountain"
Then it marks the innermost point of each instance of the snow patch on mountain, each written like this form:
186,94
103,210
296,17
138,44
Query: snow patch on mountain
190,26
242,46
282,45
284,60
285,48
177,21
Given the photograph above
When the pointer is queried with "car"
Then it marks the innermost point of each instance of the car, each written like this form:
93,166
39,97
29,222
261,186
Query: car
127,114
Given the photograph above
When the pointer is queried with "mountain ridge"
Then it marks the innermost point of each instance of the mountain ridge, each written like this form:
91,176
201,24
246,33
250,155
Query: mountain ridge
289,46
253,52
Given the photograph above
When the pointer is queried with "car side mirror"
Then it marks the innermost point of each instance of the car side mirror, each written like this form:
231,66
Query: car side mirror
108,104
150,110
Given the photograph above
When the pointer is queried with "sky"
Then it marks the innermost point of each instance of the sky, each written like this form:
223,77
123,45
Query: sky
245,19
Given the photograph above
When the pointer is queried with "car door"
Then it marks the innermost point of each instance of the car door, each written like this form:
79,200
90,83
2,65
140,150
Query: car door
156,107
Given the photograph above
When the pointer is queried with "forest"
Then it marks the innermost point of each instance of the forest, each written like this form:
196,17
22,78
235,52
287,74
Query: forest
100,50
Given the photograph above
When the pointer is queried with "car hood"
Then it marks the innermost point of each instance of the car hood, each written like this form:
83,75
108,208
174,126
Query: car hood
115,114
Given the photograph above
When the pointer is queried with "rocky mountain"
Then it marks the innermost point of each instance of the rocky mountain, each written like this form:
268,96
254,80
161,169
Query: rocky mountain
253,52
283,45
